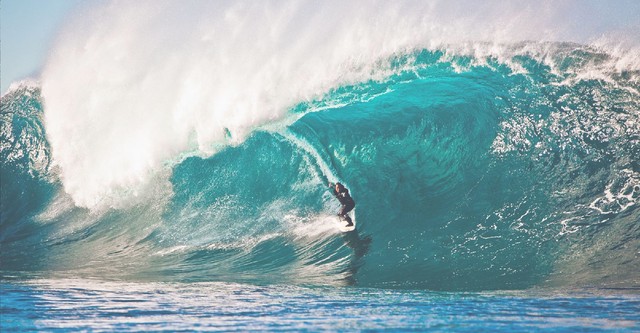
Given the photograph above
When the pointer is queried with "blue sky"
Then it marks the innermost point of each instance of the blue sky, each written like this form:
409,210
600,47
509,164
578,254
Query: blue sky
27,28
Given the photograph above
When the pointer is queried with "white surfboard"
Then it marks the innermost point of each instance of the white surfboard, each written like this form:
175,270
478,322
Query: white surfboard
342,224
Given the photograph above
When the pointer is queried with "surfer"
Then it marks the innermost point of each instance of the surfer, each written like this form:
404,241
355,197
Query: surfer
345,199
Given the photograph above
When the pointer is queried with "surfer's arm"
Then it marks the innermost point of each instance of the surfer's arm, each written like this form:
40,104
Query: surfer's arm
332,187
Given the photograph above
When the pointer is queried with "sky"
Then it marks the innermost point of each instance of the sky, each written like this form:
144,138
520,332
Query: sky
28,29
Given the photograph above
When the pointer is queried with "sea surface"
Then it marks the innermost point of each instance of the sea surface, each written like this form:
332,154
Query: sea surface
92,305
169,171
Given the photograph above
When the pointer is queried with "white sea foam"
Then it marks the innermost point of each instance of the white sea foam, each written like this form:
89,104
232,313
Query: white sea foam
29,84
130,85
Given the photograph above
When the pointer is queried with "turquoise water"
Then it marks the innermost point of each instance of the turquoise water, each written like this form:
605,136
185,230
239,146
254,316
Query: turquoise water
464,181
497,188
93,305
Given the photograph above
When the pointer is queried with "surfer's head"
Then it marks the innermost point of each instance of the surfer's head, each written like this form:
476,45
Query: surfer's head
339,186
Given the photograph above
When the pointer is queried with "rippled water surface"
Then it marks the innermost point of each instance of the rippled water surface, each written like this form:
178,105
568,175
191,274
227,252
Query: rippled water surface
93,305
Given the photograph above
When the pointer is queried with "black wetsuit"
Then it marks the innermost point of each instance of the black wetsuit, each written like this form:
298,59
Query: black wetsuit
347,203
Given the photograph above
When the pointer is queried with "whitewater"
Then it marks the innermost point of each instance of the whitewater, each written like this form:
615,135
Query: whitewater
172,152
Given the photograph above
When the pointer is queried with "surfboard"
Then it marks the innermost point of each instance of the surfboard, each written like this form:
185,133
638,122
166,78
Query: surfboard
342,224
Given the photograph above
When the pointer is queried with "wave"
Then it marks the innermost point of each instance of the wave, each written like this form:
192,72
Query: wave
474,165
188,78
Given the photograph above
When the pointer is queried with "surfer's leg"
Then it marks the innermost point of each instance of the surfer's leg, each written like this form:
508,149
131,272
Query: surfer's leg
344,214
349,208
341,213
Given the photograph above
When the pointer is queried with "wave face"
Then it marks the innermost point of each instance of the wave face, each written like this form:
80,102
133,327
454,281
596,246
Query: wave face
474,166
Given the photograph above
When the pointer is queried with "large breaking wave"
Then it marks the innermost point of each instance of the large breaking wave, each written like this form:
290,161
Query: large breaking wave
203,154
